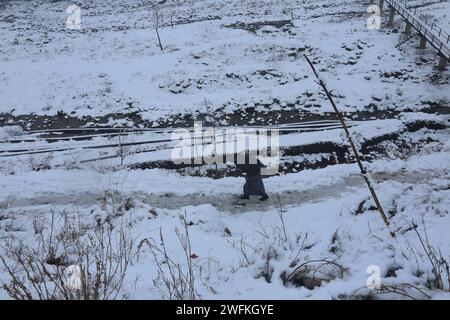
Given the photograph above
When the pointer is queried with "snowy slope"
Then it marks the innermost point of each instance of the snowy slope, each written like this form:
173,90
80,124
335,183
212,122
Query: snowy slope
113,64
319,236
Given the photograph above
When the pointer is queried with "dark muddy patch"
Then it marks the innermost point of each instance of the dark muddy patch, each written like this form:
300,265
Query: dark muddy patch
368,145
420,124
440,77
339,151
245,116
193,19
3,5
426,4
312,156
283,25
258,114
63,120
229,170
402,144
344,15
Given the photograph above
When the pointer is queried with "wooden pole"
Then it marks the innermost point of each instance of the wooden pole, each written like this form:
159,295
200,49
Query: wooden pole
362,168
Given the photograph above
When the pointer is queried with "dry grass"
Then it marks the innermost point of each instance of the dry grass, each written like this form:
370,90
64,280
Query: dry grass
39,269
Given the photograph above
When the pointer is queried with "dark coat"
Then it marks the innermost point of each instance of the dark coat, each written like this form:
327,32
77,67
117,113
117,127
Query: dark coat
254,184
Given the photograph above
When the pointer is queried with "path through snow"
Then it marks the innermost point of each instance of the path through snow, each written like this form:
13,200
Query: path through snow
224,202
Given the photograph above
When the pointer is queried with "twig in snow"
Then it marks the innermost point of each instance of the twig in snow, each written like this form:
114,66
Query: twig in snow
279,209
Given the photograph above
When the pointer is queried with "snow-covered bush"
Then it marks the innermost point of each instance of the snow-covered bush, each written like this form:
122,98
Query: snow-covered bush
40,267
175,279
10,132
7,168
39,162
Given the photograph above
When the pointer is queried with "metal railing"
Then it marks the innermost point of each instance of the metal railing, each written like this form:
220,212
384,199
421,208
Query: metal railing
436,36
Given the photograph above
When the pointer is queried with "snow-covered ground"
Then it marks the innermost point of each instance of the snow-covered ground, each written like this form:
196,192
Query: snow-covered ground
114,65
319,235
234,241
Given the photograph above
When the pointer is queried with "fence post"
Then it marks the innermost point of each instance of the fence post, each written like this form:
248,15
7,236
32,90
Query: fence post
391,17
422,42
408,28
442,62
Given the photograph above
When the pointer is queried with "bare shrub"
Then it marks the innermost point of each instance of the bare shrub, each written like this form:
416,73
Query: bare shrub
439,265
279,208
301,272
114,201
157,22
7,215
71,161
313,273
175,280
244,248
404,289
172,15
125,146
261,252
39,268
7,168
39,162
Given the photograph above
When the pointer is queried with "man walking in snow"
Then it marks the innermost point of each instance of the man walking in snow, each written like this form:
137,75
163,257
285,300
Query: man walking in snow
254,184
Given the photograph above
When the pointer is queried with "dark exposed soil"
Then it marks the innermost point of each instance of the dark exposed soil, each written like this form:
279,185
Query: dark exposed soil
283,25
237,118
324,154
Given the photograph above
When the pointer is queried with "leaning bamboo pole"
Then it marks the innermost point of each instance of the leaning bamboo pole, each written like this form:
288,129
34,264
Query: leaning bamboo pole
362,168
